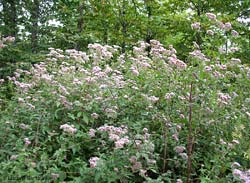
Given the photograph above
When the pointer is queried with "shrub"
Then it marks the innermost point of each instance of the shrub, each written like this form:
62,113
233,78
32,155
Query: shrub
103,116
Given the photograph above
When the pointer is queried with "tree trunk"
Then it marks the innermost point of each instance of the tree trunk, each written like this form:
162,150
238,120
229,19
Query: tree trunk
35,28
124,27
80,24
149,31
80,20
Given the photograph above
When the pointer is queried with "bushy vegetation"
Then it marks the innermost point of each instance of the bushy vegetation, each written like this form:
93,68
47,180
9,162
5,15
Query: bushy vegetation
139,116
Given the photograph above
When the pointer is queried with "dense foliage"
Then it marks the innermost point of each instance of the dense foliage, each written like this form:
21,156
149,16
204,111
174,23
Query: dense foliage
140,116
124,91
40,24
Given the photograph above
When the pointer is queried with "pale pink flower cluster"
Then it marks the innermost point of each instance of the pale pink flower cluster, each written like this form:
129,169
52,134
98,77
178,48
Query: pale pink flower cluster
172,50
108,69
55,176
158,51
23,126
244,176
95,115
121,60
217,74
111,112
77,81
66,68
27,141
234,49
235,60
119,136
21,101
39,73
229,144
2,45
211,16
1,81
179,149
175,136
169,96
235,165
234,141
210,32
136,165
220,25
97,74
146,136
134,70
144,64
115,134
121,142
208,68
228,26
140,60
79,56
223,98
92,132
99,52
63,90
222,66
196,25
13,157
141,50
222,142
179,181
176,62
93,161
248,73
199,55
58,54
143,172
24,87
118,80
65,102
222,50
184,156
97,71
182,116
8,39
235,33
112,129
152,99
68,128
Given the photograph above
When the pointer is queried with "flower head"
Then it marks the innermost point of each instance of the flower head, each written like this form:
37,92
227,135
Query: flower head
93,161
68,128
196,25
211,16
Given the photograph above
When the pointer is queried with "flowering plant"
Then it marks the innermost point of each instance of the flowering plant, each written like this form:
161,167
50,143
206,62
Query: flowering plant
147,116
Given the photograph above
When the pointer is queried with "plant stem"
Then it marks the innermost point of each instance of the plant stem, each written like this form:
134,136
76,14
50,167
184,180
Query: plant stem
165,146
190,136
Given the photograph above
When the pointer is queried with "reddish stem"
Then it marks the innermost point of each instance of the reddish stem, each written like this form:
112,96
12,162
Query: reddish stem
190,138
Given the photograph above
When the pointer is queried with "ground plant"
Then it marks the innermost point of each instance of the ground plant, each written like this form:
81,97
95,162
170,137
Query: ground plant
143,115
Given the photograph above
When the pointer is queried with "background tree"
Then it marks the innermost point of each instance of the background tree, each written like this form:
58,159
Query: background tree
80,22
9,17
